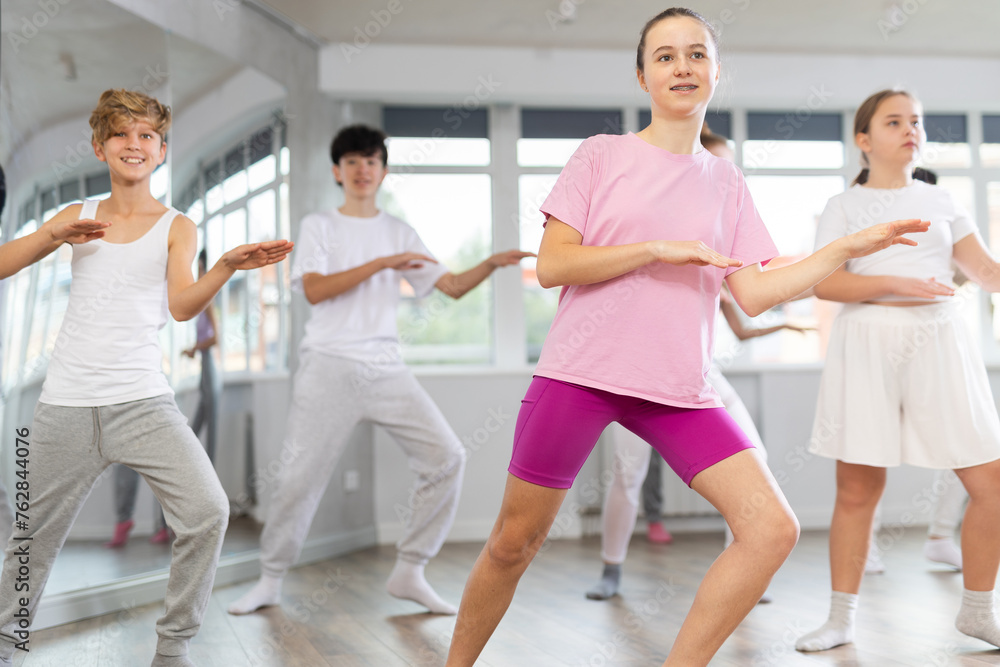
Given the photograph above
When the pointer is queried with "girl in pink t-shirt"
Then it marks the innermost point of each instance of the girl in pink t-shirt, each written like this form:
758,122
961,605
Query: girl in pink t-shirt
641,231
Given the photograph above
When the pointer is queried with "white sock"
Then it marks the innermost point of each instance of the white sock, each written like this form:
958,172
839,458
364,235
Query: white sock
408,583
838,629
977,617
265,593
943,551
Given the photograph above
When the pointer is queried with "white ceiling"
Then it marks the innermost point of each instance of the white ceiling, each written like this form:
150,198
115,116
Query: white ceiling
109,47
908,27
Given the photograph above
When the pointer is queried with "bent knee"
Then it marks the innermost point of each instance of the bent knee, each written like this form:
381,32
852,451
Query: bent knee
512,548
210,516
777,533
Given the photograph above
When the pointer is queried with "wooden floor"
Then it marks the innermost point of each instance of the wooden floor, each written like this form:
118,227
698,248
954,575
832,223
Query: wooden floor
336,613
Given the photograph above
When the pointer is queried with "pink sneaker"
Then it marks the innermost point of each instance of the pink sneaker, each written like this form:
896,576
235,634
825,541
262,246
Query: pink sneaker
122,529
162,536
657,534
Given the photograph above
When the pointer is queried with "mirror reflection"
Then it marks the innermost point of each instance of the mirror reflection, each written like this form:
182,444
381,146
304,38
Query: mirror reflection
226,169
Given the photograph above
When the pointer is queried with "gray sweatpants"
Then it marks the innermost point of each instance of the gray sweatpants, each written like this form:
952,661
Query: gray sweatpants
69,448
331,395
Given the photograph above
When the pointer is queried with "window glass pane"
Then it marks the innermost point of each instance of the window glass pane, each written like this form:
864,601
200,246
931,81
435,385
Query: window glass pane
213,239
262,172
772,154
937,154
452,213
416,151
196,211
790,207
467,121
266,320
993,225
989,155
39,318
285,160
253,325
235,314
539,303
158,181
235,187
285,225
546,152
16,298
60,294
261,210
98,186
69,192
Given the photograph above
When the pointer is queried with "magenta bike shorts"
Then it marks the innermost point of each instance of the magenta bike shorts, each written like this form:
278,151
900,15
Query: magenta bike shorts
559,424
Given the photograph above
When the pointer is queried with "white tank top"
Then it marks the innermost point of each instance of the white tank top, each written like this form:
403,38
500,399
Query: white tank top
108,348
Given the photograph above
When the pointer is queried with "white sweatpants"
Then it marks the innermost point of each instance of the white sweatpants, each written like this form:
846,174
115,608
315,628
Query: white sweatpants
331,395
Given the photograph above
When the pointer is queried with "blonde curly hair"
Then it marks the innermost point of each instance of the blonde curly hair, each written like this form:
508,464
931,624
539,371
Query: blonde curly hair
119,107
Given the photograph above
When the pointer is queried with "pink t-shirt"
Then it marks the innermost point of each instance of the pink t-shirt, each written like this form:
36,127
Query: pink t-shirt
648,333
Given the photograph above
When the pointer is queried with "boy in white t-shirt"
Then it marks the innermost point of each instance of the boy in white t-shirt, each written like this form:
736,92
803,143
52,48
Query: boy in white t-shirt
351,371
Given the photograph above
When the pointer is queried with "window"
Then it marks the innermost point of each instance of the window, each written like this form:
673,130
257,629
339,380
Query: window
548,139
989,150
793,140
241,196
794,162
947,142
439,183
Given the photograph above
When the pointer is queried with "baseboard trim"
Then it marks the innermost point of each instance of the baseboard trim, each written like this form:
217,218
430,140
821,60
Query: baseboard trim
125,594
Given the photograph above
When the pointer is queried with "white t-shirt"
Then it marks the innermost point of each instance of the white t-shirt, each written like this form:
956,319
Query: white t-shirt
359,324
108,348
861,207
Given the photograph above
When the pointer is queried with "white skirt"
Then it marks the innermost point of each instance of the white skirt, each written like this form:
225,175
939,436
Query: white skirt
905,385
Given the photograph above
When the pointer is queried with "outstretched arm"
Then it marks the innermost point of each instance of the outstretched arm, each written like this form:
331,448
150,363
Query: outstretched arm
756,290
728,309
457,285
186,298
563,260
847,287
64,227
319,287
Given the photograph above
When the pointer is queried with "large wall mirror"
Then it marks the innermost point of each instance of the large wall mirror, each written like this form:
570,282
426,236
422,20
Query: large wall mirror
227,169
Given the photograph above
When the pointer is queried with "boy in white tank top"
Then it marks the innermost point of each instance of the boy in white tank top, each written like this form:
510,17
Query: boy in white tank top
105,399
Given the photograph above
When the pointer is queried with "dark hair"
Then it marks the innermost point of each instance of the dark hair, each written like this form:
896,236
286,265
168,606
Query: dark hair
361,139
709,139
863,120
668,14
919,174
925,175
203,258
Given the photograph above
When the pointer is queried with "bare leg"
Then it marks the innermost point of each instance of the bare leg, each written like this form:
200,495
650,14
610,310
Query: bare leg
765,532
526,515
980,537
981,549
859,489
